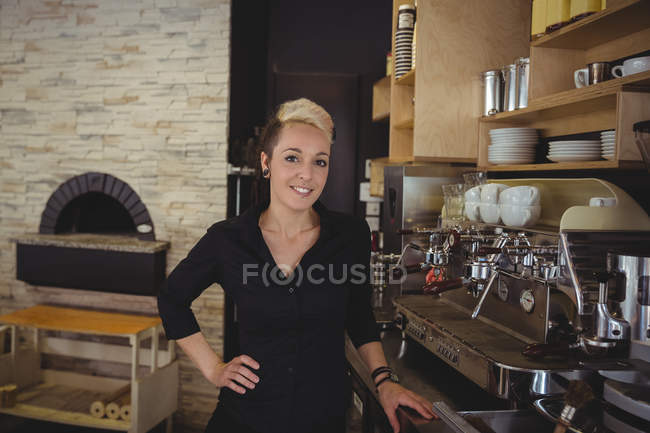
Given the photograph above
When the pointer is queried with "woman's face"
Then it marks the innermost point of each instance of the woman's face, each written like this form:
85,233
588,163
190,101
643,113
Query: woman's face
299,167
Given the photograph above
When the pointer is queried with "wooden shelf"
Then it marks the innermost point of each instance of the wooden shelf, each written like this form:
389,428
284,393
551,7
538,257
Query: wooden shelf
404,124
587,99
407,79
40,402
617,21
381,99
577,165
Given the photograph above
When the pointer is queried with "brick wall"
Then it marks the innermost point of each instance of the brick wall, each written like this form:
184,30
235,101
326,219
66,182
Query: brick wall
134,88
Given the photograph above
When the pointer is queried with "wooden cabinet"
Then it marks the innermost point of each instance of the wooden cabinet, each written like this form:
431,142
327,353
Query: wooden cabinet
556,108
435,109
65,397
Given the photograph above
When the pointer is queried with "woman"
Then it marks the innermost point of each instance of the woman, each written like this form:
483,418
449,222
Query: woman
298,274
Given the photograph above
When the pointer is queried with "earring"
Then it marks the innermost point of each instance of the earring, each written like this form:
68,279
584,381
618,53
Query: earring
265,173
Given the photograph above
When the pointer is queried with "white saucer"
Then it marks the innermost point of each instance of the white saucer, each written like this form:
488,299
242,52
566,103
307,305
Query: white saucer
595,152
573,158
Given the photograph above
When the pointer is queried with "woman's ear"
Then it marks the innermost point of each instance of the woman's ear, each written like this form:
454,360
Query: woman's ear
264,163
264,160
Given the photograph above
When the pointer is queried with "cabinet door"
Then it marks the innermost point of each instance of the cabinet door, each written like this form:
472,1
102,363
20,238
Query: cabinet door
456,41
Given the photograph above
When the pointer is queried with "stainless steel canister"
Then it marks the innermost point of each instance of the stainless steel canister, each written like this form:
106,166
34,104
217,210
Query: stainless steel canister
523,73
509,87
492,92
633,270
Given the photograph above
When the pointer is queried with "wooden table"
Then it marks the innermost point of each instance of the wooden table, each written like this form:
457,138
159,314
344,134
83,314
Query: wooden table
154,396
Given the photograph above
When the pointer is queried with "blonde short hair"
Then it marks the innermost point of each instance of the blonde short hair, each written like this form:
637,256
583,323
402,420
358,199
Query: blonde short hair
301,111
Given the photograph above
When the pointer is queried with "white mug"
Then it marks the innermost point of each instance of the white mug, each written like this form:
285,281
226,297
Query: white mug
519,216
490,213
632,66
472,211
473,194
490,192
602,201
522,195
581,77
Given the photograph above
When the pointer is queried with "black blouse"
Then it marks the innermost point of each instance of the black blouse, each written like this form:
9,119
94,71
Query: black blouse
294,327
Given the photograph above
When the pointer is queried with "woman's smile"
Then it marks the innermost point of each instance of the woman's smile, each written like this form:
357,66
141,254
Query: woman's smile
302,191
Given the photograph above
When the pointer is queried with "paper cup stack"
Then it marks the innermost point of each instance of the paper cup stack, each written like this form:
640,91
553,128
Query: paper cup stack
512,145
608,144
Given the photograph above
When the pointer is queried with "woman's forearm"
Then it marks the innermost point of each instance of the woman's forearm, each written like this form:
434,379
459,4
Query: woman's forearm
202,355
373,356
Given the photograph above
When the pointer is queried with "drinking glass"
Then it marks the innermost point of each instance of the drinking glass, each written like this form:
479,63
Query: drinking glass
453,195
474,178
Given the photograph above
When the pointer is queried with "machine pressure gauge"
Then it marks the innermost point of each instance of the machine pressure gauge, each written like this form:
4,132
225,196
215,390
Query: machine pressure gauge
527,300
502,291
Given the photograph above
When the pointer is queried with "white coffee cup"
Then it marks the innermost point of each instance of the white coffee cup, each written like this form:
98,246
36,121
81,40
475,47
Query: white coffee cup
473,194
581,78
490,192
490,213
632,66
519,216
472,210
522,195
602,201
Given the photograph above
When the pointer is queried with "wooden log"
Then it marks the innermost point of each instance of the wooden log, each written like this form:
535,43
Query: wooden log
8,395
125,412
98,407
114,408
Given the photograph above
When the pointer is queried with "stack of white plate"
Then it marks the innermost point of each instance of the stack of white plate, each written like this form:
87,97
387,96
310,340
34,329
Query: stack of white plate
512,145
608,144
574,150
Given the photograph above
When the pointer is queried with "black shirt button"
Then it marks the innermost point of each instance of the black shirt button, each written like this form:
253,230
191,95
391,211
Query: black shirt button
291,290
290,370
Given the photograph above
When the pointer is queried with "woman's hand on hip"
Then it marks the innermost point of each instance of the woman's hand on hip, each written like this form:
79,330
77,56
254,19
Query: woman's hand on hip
392,395
236,374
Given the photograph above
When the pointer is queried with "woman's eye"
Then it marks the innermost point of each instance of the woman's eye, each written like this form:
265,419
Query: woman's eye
322,163
291,158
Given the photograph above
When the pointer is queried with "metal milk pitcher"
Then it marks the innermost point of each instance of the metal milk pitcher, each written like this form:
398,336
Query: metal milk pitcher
492,92
509,87
523,73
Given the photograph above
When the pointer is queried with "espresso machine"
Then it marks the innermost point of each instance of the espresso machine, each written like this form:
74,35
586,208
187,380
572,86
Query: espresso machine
524,312
412,199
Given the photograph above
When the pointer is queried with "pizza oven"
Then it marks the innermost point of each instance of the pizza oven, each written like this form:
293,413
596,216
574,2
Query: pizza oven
95,233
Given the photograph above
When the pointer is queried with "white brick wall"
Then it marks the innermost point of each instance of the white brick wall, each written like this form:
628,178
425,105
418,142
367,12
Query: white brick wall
134,88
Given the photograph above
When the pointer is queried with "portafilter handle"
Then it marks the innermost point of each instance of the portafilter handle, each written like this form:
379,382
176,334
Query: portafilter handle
398,272
486,290
438,287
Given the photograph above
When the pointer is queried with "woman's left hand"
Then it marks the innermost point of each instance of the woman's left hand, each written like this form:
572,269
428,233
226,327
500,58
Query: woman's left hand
392,395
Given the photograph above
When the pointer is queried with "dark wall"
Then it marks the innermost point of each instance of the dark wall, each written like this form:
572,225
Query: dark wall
248,60
290,36
336,36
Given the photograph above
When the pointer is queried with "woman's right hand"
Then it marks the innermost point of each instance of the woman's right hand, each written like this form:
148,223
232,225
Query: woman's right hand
236,373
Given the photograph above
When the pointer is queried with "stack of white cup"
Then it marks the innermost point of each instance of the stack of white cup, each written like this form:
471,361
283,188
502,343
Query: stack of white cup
489,208
472,203
519,206
493,203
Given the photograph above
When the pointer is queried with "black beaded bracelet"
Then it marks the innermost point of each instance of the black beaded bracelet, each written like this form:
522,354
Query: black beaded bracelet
379,370
382,381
